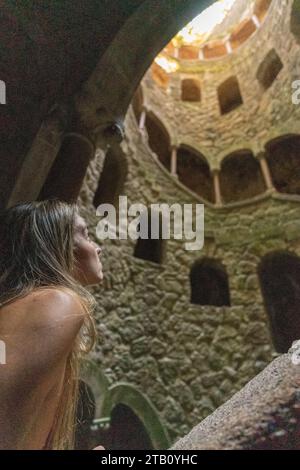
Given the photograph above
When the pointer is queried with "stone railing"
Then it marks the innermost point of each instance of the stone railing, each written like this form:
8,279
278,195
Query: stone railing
265,414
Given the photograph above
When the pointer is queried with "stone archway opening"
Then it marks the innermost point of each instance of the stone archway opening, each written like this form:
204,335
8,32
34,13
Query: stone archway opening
193,171
241,177
283,156
209,283
279,275
159,140
229,94
269,69
126,431
152,246
190,90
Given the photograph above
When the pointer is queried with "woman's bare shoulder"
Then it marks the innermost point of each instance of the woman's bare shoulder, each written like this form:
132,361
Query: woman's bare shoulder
45,305
39,330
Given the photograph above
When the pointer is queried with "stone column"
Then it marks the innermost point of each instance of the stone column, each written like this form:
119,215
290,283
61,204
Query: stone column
228,46
142,119
266,171
217,187
201,54
66,176
256,21
174,160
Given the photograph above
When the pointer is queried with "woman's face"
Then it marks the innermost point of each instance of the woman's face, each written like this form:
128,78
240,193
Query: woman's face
88,267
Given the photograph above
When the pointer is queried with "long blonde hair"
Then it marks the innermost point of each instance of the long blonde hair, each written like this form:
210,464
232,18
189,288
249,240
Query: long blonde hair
37,251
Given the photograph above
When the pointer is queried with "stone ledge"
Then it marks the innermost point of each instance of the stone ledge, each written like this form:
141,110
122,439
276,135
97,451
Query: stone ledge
265,414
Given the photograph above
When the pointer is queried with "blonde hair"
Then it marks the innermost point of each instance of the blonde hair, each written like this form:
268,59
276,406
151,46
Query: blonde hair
37,252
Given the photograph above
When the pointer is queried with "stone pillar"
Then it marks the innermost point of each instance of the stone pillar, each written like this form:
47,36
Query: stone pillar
266,171
217,187
228,46
142,119
174,160
201,54
256,21
68,171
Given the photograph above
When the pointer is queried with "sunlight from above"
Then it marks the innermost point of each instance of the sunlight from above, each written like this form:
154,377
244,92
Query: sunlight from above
200,27
167,64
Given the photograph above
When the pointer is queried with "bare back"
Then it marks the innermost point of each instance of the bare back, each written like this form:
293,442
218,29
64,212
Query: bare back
39,331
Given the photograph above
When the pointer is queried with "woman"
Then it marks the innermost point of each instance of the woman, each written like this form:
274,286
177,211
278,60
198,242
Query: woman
46,260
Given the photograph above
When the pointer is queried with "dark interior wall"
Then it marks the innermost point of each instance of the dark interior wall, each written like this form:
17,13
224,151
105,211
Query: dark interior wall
47,50
159,140
283,157
279,275
193,171
241,177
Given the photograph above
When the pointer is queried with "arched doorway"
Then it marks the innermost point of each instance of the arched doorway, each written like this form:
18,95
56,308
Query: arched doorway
193,171
126,431
112,178
159,140
209,283
152,247
241,177
283,156
279,275
229,94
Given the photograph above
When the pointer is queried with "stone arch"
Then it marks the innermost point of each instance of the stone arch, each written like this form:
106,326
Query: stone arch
68,170
159,138
141,406
209,283
151,248
279,276
283,156
112,178
229,95
241,177
190,90
269,69
193,171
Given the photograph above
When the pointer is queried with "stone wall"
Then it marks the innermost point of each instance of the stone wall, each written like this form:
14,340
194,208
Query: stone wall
185,358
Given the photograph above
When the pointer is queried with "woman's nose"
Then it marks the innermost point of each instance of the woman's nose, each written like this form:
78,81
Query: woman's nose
98,249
